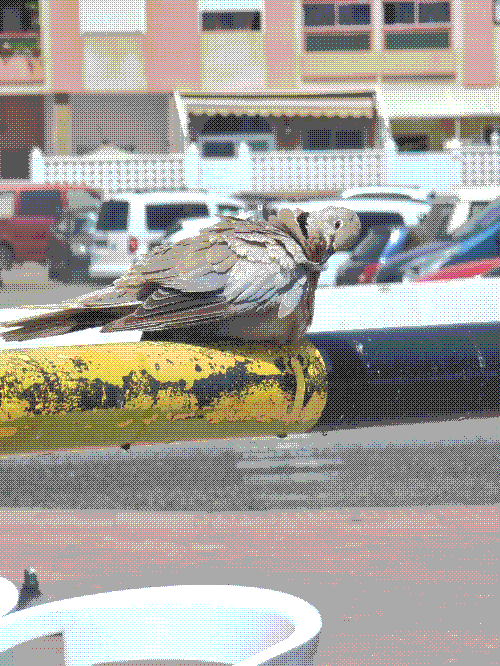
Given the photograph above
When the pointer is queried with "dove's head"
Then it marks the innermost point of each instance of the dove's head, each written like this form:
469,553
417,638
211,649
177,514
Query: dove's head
330,230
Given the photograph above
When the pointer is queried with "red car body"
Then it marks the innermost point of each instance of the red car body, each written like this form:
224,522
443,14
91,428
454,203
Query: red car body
24,226
467,269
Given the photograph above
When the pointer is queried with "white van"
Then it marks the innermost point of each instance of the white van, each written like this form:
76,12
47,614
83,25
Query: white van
130,224
370,212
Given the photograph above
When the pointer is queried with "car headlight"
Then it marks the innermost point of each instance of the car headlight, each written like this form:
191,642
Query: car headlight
78,249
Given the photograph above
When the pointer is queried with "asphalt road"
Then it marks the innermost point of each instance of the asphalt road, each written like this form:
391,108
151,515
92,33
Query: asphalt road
409,586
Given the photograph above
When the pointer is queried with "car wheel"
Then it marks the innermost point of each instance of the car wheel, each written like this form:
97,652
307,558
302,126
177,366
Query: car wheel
6,258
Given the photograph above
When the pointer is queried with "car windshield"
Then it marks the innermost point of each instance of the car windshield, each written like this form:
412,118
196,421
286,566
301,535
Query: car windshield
84,220
374,242
79,198
162,217
484,218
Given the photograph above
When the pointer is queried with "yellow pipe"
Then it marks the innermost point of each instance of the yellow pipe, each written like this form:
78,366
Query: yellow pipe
100,396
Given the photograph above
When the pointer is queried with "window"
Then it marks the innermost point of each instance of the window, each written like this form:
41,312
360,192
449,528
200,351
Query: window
227,209
488,131
399,12
319,139
7,202
215,21
112,15
417,40
318,15
81,198
496,12
113,216
41,203
477,206
376,239
165,217
258,146
349,139
218,149
337,42
434,12
354,14
412,142
436,220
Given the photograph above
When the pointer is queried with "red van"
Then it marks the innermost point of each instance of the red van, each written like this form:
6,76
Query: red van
28,212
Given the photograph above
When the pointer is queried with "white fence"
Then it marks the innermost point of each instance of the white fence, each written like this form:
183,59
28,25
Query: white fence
273,171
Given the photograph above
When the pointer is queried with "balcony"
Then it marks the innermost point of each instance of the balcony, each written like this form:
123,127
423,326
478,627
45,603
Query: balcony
20,53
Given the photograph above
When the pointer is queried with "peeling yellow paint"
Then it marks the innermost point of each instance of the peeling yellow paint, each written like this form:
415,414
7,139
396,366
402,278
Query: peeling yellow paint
75,397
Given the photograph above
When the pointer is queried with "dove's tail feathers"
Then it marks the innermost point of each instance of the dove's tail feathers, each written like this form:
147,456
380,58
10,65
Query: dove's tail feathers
61,322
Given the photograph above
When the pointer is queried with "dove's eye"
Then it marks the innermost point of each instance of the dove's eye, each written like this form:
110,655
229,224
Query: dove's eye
338,224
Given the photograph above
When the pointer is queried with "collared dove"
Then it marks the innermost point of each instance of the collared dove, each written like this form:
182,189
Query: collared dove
245,279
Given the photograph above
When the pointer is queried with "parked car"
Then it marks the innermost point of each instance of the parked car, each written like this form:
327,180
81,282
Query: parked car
478,239
468,269
69,243
131,224
382,242
450,218
371,212
28,211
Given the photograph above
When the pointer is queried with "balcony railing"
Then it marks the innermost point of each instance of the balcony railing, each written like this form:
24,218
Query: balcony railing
277,171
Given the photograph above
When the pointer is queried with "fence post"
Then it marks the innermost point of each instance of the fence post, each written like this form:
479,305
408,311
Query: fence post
192,167
245,167
37,166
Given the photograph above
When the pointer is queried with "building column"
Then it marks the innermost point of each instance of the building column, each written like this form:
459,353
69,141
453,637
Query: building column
62,140
378,36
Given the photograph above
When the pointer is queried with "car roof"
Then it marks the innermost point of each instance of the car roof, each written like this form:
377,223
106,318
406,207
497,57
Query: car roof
362,205
28,185
470,194
177,195
415,193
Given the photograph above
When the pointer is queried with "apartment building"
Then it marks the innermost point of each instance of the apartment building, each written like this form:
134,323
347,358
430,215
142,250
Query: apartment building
152,75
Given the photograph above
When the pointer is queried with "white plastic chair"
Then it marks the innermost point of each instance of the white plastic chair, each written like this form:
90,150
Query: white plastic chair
9,596
232,624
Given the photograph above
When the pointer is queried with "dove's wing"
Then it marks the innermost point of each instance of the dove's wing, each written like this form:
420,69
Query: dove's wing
207,290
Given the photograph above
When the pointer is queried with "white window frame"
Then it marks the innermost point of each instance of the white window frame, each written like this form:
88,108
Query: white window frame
109,16
496,12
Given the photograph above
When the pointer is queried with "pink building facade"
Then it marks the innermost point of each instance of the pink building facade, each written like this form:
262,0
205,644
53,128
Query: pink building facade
285,74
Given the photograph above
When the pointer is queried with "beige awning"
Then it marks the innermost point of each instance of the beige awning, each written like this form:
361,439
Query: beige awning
341,107
440,102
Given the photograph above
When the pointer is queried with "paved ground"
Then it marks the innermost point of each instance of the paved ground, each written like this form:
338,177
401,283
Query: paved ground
394,586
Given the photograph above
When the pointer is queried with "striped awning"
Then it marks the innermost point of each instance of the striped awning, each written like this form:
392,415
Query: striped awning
341,107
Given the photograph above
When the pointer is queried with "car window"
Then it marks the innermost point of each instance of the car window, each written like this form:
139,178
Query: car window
113,216
437,219
228,209
477,206
370,219
7,203
80,198
481,220
374,242
161,217
46,203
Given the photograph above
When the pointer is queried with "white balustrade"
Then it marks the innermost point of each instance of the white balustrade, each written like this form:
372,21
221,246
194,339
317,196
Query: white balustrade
465,166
